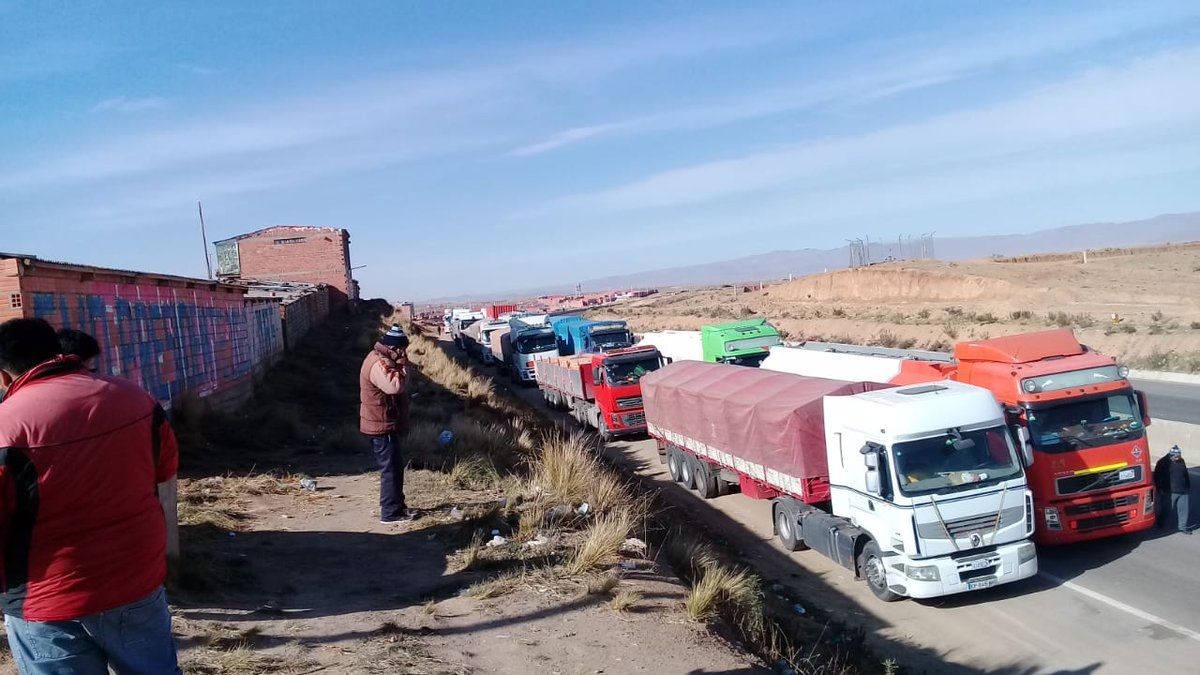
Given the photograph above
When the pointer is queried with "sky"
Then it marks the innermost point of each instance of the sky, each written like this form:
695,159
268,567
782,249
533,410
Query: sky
474,147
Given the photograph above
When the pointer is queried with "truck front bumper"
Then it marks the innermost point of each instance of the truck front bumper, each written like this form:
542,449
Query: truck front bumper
1094,517
936,577
527,374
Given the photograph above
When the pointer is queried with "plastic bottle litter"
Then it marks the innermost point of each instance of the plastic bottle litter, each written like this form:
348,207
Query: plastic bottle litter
456,513
497,540
584,509
445,437
535,542
308,484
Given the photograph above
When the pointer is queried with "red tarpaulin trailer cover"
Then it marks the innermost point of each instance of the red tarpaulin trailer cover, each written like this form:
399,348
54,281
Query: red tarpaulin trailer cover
758,421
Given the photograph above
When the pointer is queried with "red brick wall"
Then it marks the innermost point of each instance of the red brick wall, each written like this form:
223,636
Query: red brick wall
12,301
322,257
171,336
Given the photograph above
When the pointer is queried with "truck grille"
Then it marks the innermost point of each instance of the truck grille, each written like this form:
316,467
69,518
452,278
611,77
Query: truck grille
965,527
1101,505
634,419
631,402
1099,522
1069,485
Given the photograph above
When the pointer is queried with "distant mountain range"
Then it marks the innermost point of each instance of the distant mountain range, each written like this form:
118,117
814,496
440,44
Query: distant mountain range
1170,228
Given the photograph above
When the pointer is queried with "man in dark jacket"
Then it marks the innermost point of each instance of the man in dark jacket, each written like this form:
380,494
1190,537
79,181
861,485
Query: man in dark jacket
383,418
84,536
1174,486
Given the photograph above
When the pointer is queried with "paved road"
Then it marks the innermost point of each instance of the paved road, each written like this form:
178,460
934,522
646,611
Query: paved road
1171,400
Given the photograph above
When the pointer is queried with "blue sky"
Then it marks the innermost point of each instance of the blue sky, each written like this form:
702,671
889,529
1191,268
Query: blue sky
473,146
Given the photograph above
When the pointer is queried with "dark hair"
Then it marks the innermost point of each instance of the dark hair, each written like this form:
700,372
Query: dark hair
78,343
25,343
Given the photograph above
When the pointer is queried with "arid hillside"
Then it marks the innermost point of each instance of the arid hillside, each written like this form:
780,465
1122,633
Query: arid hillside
1141,305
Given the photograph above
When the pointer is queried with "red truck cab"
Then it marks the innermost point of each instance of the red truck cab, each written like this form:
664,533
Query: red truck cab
1085,427
601,390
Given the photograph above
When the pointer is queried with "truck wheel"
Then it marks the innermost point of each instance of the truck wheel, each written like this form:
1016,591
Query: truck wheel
686,471
605,434
870,561
787,530
706,482
673,462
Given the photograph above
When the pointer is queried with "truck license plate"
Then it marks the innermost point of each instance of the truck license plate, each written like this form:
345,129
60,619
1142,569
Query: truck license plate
979,564
982,582
1126,474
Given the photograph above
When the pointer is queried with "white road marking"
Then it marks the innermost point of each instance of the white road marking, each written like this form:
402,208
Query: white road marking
1128,609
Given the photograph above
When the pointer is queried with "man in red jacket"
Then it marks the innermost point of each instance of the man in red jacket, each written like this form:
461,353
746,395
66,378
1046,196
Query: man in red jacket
383,418
83,534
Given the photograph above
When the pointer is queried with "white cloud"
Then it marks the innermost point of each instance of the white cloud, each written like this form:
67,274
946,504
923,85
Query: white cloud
121,104
1152,99
882,70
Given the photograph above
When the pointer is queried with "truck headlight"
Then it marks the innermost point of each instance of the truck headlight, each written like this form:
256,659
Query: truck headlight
1025,553
1051,515
922,572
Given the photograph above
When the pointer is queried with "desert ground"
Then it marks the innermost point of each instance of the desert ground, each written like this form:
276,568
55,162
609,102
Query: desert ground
1139,305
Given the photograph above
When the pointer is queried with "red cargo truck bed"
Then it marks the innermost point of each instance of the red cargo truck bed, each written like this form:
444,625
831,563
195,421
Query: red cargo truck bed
767,425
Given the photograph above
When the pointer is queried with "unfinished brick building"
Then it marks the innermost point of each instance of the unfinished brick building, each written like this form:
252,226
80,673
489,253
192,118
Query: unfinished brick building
315,255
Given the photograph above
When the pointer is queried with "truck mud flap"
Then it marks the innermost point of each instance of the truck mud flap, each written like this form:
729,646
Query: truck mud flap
833,537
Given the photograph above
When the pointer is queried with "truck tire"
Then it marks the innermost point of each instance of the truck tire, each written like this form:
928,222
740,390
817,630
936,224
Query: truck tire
787,530
605,434
870,561
705,481
686,470
674,459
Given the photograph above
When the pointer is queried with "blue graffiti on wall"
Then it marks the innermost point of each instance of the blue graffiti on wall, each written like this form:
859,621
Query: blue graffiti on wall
169,347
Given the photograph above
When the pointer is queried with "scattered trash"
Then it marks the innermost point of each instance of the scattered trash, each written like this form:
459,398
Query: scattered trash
799,609
497,540
495,533
535,542
456,514
308,484
285,516
627,565
584,509
633,546
445,437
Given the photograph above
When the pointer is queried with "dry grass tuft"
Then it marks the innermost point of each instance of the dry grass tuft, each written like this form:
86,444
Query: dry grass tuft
602,584
473,553
721,588
497,586
625,600
474,472
602,542
570,471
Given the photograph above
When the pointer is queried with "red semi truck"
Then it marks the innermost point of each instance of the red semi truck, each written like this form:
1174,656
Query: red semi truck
1080,422
601,390
918,489
494,311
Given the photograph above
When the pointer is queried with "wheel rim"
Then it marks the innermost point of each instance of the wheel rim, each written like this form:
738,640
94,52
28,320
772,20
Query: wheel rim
875,573
781,524
685,472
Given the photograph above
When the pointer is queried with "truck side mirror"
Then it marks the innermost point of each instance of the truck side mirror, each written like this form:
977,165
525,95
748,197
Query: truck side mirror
1144,406
873,481
596,377
1026,445
870,457
669,360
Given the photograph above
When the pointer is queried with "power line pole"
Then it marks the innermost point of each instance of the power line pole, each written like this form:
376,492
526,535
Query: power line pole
204,236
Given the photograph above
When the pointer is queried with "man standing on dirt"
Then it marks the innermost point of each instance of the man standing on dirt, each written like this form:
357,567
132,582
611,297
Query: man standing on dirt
383,418
83,534
1174,486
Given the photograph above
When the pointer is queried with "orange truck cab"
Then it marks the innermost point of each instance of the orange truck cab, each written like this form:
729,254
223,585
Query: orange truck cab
1085,427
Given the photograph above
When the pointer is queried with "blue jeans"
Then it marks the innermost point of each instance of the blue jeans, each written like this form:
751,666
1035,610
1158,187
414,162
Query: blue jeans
133,639
391,475
1179,505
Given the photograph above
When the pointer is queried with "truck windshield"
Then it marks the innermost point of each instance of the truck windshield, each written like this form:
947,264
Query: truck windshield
611,339
629,372
533,344
982,457
1088,422
753,360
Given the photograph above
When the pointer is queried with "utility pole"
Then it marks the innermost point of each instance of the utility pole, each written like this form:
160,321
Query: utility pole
204,237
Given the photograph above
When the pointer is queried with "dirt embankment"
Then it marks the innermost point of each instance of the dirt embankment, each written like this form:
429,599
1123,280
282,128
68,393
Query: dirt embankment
1141,307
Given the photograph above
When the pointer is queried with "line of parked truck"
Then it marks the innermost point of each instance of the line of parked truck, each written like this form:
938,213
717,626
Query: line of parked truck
924,473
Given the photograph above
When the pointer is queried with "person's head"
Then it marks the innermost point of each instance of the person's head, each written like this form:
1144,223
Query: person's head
1175,454
24,344
79,343
395,341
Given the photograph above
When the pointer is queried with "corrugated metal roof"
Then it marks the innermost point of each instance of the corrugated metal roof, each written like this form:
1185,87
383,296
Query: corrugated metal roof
34,260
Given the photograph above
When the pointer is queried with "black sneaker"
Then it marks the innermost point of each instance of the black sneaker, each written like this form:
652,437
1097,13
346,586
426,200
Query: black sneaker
406,517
